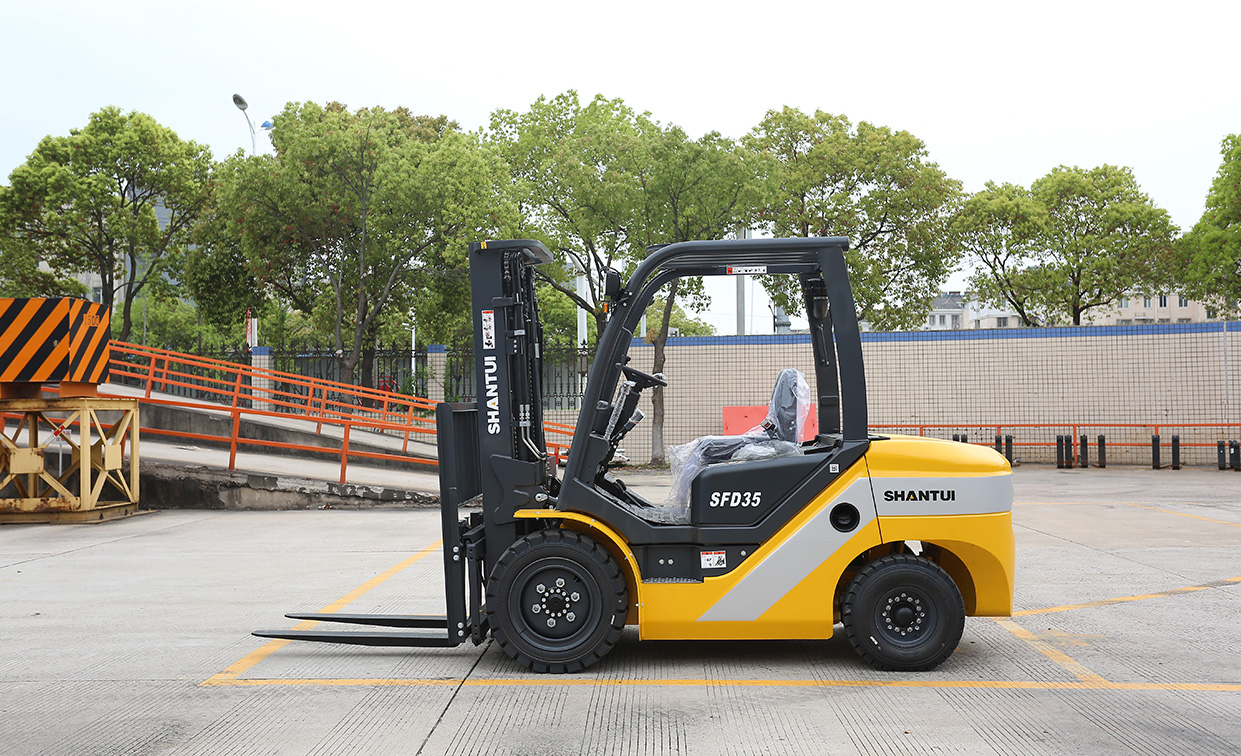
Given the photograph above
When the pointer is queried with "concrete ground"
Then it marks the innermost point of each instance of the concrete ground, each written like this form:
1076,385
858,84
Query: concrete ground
132,637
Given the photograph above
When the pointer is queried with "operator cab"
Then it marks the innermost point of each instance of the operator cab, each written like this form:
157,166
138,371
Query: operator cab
729,489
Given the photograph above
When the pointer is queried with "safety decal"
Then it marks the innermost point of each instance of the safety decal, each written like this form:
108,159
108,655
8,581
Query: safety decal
746,270
489,329
712,560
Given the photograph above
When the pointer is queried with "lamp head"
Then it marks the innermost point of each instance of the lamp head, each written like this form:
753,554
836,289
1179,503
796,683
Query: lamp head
240,102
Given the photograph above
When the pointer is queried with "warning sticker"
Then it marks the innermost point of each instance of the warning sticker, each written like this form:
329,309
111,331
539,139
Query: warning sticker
714,560
747,270
489,329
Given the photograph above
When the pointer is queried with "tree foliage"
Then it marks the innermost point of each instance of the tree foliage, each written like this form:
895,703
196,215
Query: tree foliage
1078,240
118,197
21,276
1213,248
869,183
578,172
361,211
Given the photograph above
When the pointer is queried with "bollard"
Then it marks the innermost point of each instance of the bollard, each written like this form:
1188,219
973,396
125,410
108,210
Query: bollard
1059,452
1008,448
1234,452
1223,455
998,450
1102,451
1176,452
1084,461
955,437
1155,452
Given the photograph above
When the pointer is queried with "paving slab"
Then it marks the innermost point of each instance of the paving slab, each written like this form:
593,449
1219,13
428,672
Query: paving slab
132,637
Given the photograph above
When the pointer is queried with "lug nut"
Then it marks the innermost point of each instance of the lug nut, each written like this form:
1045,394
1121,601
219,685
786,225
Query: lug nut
536,608
560,582
570,616
551,621
541,588
574,596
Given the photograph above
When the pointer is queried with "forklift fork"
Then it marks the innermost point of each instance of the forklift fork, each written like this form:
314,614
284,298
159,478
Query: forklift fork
464,556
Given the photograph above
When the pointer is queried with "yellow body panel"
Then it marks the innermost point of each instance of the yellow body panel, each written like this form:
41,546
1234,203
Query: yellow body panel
671,611
981,553
975,548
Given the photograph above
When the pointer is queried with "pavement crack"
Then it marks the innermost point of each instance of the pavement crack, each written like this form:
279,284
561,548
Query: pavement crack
452,698
108,542
1114,554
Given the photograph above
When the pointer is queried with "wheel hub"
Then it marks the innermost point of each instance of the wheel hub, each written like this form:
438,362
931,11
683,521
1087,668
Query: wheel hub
553,603
904,614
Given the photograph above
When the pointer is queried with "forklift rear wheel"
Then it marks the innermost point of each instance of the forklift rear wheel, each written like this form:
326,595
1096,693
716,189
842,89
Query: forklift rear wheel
903,612
556,601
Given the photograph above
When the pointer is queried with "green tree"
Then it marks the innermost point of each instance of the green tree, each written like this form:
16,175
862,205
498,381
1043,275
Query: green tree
1000,229
20,275
358,211
873,185
682,321
691,189
577,173
1080,239
118,197
1213,248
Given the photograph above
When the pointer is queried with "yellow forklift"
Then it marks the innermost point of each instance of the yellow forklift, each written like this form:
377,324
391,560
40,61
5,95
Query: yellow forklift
896,538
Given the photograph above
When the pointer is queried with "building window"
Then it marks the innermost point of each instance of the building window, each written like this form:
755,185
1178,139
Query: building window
1163,300
956,321
1210,313
1184,320
1124,303
1182,301
1001,322
932,320
941,320
1125,321
1146,301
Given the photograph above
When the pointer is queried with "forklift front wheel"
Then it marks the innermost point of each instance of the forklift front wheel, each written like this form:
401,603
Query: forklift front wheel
556,601
903,612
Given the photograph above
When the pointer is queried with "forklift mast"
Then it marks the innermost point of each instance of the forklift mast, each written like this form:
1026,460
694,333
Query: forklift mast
508,368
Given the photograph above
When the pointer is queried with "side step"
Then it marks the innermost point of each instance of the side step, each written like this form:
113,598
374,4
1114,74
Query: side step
439,639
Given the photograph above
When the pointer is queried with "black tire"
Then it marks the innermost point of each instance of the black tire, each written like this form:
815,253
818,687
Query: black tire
903,612
556,601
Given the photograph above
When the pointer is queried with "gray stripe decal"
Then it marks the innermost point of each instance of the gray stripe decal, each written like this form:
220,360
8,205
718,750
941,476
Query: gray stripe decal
895,497
811,545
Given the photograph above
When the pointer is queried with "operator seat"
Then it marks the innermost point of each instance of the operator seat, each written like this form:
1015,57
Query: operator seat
777,436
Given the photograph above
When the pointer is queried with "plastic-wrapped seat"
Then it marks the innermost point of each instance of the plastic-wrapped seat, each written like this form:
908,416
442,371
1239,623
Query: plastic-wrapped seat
777,436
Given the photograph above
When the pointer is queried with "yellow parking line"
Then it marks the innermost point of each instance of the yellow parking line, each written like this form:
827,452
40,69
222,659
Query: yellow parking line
1183,514
1096,683
241,666
1123,599
1066,662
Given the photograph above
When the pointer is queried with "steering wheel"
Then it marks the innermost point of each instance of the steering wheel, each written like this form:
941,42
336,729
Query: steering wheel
643,380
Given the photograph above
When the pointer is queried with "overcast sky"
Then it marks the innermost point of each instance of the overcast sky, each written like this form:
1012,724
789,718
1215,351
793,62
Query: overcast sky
998,91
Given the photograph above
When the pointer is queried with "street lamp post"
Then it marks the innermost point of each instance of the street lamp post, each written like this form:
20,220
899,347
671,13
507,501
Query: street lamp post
241,104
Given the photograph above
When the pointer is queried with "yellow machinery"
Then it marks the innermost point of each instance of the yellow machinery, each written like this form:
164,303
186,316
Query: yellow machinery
765,536
63,459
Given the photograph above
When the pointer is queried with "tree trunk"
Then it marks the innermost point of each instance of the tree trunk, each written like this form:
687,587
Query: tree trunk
657,393
126,319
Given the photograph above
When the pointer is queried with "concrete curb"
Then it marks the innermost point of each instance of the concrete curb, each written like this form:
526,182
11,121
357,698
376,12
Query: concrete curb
198,487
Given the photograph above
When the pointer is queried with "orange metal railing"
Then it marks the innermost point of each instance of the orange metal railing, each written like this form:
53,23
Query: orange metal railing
247,391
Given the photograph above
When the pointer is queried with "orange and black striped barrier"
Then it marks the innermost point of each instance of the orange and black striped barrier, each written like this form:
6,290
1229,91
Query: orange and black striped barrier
61,341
